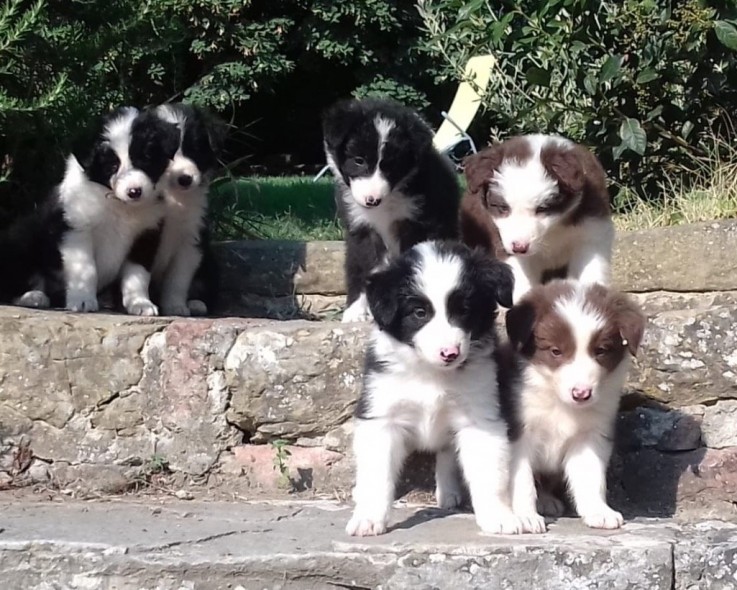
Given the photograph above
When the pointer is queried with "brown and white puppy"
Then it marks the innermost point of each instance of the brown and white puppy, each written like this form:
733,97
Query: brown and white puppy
540,203
570,346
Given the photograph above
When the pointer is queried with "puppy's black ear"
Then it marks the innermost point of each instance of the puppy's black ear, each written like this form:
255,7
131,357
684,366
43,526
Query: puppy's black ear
338,121
496,276
382,294
520,321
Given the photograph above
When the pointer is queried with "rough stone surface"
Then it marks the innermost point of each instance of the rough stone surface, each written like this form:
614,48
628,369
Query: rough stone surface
644,261
720,425
210,546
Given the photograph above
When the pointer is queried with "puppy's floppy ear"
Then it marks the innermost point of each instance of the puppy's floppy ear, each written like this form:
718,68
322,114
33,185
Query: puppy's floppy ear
496,276
479,168
564,165
520,322
339,119
382,294
217,129
630,320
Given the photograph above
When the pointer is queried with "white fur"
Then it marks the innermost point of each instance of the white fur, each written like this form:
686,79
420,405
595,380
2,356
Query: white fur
135,281
358,311
415,404
585,247
179,253
560,435
101,233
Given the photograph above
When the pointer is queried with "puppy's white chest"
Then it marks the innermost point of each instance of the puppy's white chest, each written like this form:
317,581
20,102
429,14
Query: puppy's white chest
383,219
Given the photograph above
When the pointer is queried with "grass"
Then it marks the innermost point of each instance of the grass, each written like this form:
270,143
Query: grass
277,208
296,208
710,194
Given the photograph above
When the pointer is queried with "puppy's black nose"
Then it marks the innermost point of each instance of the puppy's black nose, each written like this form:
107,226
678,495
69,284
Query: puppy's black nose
373,201
185,180
135,193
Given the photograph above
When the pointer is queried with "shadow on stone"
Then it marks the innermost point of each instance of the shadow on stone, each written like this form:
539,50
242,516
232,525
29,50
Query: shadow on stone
419,517
657,461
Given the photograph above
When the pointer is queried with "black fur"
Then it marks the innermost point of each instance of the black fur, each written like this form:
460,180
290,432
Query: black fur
401,310
413,168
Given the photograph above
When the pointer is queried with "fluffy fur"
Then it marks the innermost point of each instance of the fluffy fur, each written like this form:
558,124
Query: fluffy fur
79,240
393,189
570,349
430,384
178,255
541,204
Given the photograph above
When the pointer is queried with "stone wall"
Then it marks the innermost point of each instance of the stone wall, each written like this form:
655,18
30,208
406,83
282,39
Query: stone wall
104,403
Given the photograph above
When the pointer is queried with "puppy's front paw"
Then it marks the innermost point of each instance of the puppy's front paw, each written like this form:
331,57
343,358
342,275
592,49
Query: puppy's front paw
550,505
448,498
502,523
82,302
358,311
533,523
197,308
365,527
34,299
142,307
604,518
175,308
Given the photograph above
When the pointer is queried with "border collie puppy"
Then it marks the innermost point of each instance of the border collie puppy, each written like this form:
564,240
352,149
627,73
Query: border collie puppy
430,384
181,253
540,203
560,389
108,197
393,189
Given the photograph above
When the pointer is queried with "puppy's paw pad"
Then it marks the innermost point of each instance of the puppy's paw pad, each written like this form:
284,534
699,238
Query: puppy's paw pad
142,307
365,527
603,519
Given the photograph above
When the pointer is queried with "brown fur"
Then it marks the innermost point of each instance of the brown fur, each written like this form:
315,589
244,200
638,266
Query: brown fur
577,171
542,336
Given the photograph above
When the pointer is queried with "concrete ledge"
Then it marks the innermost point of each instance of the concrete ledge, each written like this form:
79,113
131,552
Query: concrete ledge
102,403
689,258
212,546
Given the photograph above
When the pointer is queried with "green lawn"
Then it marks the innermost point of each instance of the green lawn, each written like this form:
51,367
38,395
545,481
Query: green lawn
277,208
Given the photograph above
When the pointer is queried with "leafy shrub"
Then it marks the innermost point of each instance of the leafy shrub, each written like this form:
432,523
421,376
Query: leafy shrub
647,83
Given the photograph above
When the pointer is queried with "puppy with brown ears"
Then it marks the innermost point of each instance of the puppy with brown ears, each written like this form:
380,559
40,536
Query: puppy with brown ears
539,203
561,380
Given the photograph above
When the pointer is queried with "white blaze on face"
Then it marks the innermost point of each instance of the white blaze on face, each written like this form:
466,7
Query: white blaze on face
582,372
128,183
367,190
437,277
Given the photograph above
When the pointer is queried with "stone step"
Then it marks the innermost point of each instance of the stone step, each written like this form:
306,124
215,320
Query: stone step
244,546
290,279
109,403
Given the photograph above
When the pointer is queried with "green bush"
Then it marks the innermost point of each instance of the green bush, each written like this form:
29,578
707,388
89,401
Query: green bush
647,83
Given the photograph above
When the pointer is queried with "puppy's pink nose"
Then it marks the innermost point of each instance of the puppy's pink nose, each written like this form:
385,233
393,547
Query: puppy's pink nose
450,353
373,201
581,394
520,247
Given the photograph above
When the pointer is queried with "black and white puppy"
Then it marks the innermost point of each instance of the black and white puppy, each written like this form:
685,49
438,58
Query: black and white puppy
393,189
430,384
180,254
108,197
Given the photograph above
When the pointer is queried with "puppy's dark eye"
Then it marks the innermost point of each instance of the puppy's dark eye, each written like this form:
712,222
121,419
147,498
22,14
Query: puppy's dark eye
555,351
420,313
543,209
501,209
359,161
601,351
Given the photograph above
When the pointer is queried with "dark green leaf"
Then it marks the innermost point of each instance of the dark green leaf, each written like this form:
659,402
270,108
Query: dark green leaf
589,83
726,33
646,76
633,136
610,68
